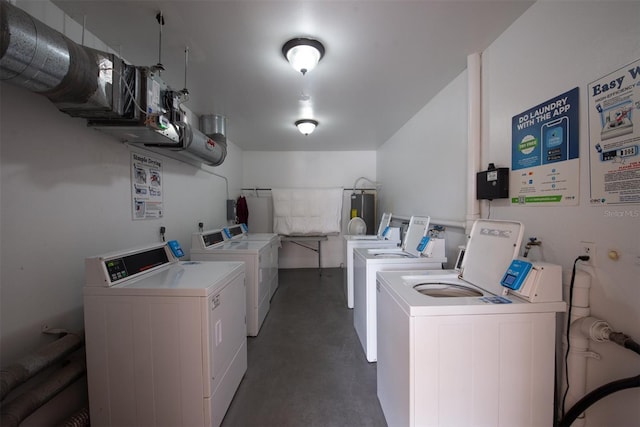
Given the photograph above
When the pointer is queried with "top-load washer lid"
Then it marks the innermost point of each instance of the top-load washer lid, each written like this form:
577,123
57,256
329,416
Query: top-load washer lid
418,227
491,248
384,223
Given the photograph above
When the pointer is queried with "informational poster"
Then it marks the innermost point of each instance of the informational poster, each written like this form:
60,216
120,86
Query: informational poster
545,168
614,137
146,186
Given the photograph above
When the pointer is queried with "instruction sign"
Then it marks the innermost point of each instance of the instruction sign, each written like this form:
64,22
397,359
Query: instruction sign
614,137
146,186
545,168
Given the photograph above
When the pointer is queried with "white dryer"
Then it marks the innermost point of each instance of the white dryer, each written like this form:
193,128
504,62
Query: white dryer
241,232
453,349
211,246
384,239
165,340
367,262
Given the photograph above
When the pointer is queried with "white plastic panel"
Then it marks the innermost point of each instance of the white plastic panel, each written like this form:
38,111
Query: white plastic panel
491,248
498,368
384,223
418,226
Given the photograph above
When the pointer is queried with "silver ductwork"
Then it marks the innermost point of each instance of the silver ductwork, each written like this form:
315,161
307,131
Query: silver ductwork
129,102
215,127
79,80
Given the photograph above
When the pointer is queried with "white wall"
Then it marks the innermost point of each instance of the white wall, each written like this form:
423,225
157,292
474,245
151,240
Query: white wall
423,166
66,195
552,48
306,169
294,169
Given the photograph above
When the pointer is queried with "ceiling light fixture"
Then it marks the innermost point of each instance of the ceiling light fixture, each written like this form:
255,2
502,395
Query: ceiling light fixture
306,126
303,54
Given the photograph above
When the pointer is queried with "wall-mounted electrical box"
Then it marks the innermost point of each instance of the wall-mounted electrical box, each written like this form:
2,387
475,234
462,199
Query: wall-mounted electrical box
492,183
231,209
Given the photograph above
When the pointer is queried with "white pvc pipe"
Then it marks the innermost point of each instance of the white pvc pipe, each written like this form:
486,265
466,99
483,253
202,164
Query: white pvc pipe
474,137
579,351
432,221
581,287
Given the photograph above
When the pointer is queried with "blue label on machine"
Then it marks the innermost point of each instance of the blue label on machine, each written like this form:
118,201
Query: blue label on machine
516,274
423,243
227,233
244,227
176,249
385,233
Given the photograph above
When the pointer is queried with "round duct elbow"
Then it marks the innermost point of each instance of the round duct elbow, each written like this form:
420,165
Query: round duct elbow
215,127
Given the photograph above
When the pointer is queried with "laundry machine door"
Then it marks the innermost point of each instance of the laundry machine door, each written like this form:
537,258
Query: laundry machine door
228,352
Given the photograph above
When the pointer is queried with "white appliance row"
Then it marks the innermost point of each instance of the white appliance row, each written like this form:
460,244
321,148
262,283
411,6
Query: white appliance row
385,238
259,253
367,262
470,347
165,340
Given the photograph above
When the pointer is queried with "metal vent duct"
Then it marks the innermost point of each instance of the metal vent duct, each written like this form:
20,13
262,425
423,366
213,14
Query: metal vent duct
116,97
215,127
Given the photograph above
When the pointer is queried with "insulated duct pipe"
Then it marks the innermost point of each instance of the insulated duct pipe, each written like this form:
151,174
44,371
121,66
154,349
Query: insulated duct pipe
79,419
202,147
14,412
38,58
474,137
28,366
214,126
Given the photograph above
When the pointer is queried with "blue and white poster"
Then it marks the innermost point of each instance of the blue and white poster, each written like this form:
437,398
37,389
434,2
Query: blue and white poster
614,137
545,166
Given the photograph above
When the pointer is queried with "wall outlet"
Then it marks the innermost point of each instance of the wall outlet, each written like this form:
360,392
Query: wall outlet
588,248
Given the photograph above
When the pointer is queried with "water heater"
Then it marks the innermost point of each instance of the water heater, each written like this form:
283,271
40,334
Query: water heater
364,206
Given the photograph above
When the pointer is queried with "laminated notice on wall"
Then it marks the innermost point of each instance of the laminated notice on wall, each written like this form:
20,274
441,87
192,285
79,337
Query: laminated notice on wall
614,137
146,187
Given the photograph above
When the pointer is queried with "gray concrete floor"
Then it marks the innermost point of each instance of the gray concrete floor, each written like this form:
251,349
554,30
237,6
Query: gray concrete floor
306,367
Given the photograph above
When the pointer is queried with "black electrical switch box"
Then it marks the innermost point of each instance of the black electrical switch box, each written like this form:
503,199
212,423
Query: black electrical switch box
492,183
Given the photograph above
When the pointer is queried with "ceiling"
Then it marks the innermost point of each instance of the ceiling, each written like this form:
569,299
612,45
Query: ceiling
384,60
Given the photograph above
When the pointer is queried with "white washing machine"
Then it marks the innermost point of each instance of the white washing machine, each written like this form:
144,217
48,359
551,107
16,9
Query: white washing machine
211,246
367,262
453,349
385,238
241,232
166,341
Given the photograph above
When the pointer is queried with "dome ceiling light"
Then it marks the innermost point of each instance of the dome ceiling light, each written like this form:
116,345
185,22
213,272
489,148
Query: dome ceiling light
306,126
303,54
